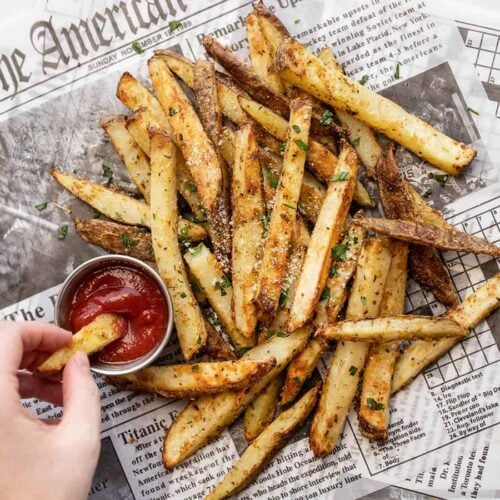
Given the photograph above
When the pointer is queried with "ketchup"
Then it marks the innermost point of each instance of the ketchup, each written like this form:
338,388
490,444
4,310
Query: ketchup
130,293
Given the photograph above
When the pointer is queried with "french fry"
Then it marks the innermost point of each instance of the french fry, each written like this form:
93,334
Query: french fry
260,413
402,327
284,213
133,241
205,418
341,381
218,288
248,212
426,264
300,369
299,66
195,380
216,347
197,150
112,203
362,137
261,58
188,318
476,307
422,233
326,235
133,158
263,449
374,419
93,337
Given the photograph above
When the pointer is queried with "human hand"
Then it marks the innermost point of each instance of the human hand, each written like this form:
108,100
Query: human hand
45,459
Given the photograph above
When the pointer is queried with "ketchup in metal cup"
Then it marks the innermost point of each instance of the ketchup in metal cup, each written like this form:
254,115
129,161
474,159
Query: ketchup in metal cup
130,293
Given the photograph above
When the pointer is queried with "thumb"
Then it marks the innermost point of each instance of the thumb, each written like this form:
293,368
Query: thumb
82,410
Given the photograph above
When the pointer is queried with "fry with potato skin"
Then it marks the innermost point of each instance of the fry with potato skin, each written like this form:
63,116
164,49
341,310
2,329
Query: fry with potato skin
188,318
284,213
348,360
192,381
326,234
207,417
248,212
475,307
262,450
93,337
216,348
299,66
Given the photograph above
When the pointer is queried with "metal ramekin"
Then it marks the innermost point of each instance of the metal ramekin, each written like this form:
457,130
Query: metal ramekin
69,287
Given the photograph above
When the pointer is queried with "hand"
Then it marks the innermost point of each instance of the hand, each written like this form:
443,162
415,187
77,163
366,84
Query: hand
40,459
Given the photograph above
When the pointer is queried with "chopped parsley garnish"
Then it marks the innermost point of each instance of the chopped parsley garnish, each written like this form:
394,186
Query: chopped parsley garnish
301,144
142,230
297,21
108,173
191,187
281,335
127,241
363,299
339,252
364,79
118,216
62,232
396,72
334,271
283,298
325,294
341,176
374,405
173,25
293,207
41,206
282,147
470,110
271,179
195,368
327,117
183,296
185,236
196,250
222,284
97,215
355,142
241,351
353,370
265,220
202,217
296,128
441,179
172,111
297,380
136,46
198,340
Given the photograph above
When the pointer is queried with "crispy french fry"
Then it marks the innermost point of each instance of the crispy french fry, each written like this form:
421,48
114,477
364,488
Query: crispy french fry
261,58
341,381
114,204
426,264
216,347
326,235
195,380
248,212
300,369
260,413
263,449
188,318
284,213
134,159
133,241
422,233
476,307
299,66
93,337
197,150
205,418
218,288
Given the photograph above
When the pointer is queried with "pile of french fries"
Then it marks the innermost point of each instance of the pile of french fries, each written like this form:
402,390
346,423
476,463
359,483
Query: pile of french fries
265,165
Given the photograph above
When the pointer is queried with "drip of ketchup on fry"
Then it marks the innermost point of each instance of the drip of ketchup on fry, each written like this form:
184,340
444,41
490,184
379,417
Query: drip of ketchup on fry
130,293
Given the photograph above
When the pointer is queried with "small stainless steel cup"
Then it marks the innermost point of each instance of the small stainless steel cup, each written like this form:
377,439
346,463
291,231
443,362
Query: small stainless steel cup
69,288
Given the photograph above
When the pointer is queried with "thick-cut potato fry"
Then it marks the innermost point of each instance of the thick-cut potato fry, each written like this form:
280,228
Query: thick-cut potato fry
392,328
133,158
248,212
188,318
296,64
374,419
93,337
476,307
206,269
301,368
260,413
216,347
195,380
341,381
205,418
284,213
114,204
197,150
326,235
422,233
426,264
427,213
133,241
263,449
261,58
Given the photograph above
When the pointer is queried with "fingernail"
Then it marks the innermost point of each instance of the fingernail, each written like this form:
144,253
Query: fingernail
81,359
